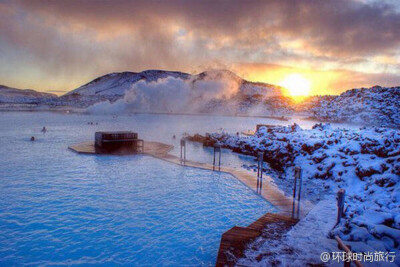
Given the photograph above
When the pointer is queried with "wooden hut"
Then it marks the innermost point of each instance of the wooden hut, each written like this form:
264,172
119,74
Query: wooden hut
118,141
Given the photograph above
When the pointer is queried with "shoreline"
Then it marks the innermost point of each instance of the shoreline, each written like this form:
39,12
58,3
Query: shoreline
83,111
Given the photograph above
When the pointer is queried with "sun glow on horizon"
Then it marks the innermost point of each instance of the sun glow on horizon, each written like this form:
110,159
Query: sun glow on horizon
297,85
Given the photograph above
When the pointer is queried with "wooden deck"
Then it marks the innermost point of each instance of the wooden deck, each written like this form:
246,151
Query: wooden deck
150,148
235,240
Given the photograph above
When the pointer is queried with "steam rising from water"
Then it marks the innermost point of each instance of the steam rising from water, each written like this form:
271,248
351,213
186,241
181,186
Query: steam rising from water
173,95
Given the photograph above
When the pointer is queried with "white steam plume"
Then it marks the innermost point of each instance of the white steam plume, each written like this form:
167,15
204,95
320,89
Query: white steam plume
172,95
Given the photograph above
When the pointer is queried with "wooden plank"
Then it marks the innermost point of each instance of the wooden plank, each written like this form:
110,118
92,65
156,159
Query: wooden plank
233,243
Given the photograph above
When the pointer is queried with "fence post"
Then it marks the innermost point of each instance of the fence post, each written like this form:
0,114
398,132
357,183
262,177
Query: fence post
294,194
340,204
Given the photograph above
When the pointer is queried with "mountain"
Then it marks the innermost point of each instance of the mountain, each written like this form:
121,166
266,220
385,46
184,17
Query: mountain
117,83
10,95
376,105
113,86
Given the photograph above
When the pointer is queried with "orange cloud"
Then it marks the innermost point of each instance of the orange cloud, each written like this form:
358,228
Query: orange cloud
323,82
62,44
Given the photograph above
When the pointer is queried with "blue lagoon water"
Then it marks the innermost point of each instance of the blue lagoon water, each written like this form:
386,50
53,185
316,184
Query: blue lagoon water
62,208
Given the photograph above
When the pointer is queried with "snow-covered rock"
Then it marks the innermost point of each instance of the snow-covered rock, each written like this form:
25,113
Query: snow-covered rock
376,105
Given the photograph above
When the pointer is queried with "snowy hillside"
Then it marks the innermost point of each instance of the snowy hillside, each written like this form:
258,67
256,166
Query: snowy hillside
116,84
10,95
376,105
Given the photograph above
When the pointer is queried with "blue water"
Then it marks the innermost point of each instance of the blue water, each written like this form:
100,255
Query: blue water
62,208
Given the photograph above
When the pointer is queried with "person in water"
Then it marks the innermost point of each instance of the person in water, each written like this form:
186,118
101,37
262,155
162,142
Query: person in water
44,129
32,138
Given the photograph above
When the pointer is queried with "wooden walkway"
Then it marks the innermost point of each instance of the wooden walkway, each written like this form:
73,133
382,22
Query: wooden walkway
234,241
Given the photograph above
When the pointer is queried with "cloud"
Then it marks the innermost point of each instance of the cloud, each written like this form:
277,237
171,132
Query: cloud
333,81
72,41
340,26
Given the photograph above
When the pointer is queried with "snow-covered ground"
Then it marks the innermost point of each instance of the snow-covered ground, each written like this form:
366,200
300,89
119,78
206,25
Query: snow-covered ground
365,162
376,105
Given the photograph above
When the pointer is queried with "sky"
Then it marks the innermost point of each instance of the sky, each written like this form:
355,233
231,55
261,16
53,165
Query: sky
56,46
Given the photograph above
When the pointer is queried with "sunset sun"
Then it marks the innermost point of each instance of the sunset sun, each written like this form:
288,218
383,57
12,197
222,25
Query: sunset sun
297,85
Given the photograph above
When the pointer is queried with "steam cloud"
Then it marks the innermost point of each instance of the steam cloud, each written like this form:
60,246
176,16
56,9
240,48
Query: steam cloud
173,95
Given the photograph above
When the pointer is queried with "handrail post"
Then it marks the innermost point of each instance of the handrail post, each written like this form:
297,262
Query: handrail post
297,176
183,151
214,160
219,161
260,166
294,194
217,148
258,175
